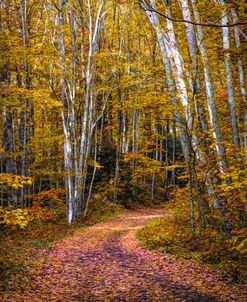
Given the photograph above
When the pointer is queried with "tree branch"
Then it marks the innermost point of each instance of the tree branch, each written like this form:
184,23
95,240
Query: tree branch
147,7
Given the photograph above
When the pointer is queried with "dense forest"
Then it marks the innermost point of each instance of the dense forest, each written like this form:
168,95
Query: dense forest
112,106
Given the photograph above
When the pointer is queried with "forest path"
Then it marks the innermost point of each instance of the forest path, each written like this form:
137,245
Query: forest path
106,262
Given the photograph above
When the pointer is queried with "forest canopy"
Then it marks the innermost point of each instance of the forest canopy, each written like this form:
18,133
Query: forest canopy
123,129
126,101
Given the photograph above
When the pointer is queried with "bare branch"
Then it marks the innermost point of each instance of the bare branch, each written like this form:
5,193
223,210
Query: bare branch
147,7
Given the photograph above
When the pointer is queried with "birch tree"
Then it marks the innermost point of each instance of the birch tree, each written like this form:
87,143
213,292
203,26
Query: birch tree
242,81
79,112
229,77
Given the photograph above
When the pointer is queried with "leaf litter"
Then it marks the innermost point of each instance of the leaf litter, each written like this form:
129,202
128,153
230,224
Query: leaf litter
106,262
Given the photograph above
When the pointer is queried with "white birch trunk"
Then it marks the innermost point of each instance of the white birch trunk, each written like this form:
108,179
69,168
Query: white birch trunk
174,77
191,39
78,130
212,111
229,78
241,76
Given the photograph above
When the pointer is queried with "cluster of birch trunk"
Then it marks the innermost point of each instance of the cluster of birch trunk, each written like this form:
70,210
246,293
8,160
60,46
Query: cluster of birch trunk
185,87
78,75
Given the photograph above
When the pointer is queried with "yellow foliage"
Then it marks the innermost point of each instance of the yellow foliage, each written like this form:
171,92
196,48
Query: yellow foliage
15,217
14,181
239,241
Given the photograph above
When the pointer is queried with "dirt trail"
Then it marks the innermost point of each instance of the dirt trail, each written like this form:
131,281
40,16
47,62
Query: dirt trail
105,262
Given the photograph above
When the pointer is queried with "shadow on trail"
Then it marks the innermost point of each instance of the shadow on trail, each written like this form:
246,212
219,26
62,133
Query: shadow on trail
133,277
105,263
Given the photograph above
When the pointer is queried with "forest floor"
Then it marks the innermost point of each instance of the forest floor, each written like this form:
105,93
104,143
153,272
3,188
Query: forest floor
106,262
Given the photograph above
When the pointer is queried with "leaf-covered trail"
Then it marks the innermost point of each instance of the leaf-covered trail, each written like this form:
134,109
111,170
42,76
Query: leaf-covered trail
105,262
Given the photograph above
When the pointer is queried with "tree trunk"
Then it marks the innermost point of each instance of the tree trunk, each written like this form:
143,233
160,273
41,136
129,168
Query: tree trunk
229,78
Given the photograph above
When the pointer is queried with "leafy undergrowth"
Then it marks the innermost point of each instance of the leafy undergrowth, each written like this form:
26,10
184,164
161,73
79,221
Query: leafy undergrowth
22,249
172,235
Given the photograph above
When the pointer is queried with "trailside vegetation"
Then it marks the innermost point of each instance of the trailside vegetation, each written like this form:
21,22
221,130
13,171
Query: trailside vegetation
110,104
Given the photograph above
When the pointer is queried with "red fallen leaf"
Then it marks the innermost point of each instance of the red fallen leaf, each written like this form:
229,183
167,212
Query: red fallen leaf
117,267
